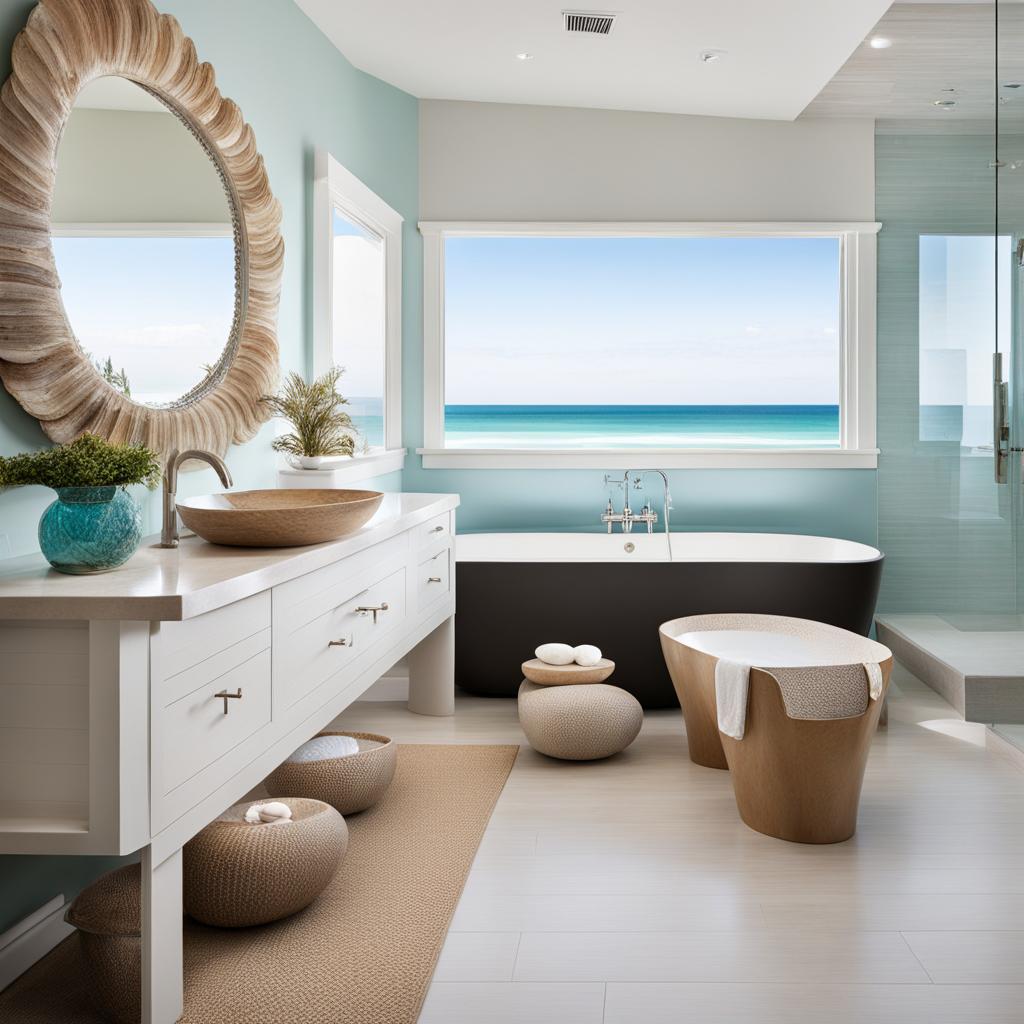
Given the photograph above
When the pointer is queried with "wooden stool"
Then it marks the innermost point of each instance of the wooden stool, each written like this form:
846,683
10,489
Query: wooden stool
797,771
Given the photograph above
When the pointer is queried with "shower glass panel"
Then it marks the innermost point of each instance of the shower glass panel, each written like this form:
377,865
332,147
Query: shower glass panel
1009,79
945,525
950,194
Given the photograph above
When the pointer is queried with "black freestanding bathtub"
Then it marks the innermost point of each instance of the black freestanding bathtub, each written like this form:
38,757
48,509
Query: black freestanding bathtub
519,590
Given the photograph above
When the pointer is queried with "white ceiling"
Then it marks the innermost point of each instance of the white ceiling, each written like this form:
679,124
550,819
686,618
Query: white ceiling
780,53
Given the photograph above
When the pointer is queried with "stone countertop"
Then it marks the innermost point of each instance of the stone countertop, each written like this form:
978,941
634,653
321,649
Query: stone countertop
179,583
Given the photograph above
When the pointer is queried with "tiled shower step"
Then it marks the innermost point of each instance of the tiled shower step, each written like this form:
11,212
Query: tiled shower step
973,663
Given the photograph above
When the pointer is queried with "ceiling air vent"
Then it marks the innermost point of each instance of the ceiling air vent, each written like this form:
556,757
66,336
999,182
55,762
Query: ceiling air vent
592,22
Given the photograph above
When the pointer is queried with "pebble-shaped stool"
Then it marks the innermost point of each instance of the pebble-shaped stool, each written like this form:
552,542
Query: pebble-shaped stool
579,722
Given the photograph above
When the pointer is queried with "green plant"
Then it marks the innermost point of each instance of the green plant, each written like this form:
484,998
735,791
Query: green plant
321,425
87,462
115,378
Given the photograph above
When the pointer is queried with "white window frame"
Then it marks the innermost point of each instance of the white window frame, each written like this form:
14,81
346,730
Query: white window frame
858,261
337,187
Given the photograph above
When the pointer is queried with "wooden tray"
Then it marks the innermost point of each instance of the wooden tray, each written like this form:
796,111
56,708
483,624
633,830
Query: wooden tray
543,674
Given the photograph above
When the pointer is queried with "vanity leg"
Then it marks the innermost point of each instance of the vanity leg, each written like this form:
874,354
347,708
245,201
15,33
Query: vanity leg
162,967
432,672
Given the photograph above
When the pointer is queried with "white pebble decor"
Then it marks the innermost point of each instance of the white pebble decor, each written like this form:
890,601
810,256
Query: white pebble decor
266,814
555,654
586,654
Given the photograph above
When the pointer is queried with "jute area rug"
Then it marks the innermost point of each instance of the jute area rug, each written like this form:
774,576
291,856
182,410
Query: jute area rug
364,952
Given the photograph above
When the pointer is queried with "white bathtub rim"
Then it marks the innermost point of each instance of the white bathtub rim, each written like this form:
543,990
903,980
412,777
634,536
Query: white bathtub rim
707,547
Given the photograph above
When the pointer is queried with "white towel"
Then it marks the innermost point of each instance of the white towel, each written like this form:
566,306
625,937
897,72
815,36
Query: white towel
874,679
732,680
323,748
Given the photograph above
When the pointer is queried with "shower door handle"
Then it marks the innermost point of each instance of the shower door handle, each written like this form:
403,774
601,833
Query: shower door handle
1000,419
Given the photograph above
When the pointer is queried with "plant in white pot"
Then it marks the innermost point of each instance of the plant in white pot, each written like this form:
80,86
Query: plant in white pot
321,428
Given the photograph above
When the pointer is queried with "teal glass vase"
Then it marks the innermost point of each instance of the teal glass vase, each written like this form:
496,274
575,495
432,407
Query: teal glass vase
90,529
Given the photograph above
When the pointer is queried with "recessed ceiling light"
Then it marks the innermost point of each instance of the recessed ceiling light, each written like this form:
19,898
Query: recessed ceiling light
710,56
524,56
944,104
880,42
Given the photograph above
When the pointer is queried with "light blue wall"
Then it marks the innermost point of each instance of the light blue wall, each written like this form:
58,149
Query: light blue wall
838,503
298,93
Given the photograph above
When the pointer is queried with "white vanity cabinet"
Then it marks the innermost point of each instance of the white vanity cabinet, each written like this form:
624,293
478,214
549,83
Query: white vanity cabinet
137,705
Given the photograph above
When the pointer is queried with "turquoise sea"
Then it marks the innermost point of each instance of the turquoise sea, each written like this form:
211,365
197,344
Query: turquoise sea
641,426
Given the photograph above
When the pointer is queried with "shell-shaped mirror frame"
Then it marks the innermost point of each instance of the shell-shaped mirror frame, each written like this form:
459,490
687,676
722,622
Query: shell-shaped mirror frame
64,45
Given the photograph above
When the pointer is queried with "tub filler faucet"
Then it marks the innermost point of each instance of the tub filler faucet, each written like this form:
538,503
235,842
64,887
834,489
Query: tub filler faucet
627,517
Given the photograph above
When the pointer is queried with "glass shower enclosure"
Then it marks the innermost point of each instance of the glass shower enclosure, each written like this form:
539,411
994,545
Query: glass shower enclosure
950,196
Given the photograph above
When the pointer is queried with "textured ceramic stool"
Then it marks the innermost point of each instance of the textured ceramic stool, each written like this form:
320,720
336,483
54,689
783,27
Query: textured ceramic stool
579,723
108,916
236,874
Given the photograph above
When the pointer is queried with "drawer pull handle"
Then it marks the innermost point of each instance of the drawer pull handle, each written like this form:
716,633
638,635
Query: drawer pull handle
343,642
225,696
433,579
375,609
437,529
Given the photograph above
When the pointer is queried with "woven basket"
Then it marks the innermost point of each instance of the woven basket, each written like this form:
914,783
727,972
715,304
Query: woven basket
237,875
108,916
349,784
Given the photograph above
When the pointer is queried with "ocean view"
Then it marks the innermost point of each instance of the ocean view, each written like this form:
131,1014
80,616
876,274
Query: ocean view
641,426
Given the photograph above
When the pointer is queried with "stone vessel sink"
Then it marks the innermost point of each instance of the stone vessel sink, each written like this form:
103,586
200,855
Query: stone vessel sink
278,518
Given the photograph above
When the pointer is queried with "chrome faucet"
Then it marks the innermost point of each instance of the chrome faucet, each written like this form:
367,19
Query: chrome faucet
169,531
646,515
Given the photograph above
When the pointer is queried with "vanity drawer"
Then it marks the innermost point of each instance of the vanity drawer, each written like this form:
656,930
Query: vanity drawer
304,600
181,646
193,730
339,637
433,531
433,578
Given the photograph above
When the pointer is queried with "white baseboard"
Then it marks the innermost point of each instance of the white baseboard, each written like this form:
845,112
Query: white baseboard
390,687
31,939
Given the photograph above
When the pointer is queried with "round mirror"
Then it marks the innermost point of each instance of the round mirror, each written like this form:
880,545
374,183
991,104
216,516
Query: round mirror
144,243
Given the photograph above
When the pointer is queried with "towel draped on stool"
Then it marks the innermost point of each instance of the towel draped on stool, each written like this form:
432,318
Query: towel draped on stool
817,694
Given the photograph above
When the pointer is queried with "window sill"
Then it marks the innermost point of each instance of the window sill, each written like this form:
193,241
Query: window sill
347,471
663,458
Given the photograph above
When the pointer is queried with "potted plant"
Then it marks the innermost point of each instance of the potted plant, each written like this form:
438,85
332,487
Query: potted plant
94,525
321,427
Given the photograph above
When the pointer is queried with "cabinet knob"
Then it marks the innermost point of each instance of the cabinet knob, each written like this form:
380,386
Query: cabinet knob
437,529
375,609
225,696
433,579
343,642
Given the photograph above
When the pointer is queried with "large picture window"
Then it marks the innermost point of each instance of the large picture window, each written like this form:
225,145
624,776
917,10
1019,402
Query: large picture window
552,344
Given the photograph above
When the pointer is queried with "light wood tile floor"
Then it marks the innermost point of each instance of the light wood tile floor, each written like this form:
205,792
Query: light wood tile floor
628,890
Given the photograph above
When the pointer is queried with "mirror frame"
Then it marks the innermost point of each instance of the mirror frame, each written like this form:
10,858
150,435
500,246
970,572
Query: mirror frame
64,45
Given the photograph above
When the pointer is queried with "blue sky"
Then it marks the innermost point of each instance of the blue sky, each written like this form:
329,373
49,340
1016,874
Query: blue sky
662,321
159,307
